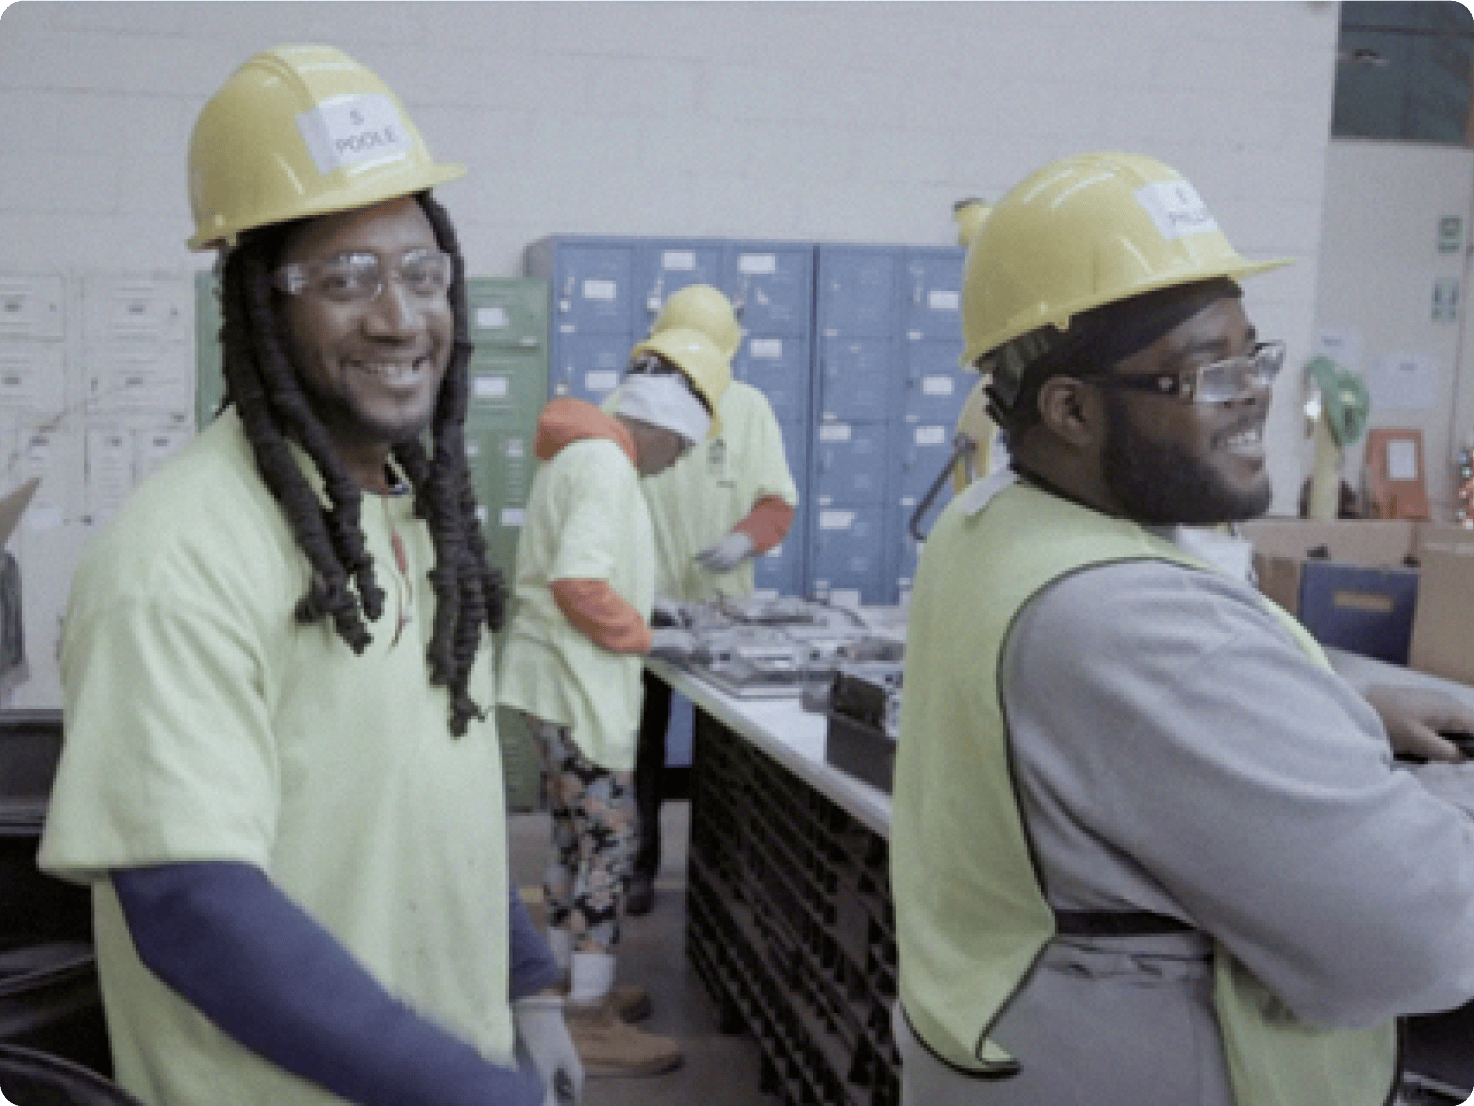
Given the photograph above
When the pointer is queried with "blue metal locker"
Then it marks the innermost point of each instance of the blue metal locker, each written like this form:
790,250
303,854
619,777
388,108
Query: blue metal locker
918,455
855,378
777,366
796,453
903,552
856,294
771,286
917,452
590,282
931,293
781,569
666,265
848,554
587,366
930,387
848,463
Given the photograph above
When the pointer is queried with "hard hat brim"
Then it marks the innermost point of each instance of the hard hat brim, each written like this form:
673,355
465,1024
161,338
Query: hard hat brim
423,180
1061,316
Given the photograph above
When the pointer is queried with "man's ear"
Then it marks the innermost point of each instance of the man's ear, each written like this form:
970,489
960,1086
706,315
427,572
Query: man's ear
1072,410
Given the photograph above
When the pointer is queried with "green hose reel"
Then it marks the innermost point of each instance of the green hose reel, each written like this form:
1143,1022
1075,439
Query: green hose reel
1345,403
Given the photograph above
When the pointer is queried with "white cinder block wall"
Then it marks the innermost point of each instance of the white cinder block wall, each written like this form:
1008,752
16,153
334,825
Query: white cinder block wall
1379,263
840,121
808,121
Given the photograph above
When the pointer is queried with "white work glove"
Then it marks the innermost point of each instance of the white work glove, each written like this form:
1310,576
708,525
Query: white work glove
727,553
544,1033
672,643
1414,715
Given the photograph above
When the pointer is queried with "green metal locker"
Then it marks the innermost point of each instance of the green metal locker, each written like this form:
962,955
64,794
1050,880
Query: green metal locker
508,388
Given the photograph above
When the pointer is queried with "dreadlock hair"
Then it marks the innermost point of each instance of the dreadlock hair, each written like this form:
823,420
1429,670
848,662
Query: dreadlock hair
261,383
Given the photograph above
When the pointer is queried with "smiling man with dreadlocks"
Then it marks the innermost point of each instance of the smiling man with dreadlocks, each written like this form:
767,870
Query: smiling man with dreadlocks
281,774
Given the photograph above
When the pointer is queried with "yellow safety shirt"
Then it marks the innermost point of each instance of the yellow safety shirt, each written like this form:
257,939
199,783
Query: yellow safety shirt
586,520
700,498
203,722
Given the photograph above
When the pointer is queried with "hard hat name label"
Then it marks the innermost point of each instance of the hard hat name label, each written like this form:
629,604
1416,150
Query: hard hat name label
349,130
1176,208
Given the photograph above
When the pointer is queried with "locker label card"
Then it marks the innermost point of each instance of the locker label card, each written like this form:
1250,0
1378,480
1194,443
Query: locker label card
834,432
836,520
491,318
350,130
490,387
943,301
600,290
931,435
937,385
769,349
757,264
679,260
601,380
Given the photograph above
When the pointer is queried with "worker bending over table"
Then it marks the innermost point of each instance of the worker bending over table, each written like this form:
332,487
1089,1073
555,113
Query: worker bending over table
584,590
729,501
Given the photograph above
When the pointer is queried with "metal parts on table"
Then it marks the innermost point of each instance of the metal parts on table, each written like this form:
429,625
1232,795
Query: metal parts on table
777,648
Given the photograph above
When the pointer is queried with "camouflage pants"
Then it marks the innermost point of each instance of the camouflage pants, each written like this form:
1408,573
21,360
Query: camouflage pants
594,838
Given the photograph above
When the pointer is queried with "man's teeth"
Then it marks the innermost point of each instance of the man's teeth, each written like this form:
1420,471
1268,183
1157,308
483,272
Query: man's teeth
389,368
1252,436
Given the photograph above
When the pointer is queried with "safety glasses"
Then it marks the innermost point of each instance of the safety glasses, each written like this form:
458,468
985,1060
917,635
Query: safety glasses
1219,382
359,277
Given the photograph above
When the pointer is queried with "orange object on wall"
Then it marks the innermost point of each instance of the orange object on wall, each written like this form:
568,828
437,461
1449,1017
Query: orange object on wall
1393,468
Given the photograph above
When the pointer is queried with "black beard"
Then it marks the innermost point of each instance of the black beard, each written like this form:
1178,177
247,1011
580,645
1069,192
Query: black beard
1161,484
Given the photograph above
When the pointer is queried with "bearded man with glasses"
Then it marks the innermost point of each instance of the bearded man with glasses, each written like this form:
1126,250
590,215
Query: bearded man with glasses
1146,846
282,777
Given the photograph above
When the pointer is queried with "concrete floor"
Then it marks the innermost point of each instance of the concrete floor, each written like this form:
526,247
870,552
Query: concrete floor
720,1070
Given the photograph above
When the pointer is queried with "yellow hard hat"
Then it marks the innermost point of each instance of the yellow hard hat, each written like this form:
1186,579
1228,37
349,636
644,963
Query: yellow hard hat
697,356
301,130
1083,232
704,308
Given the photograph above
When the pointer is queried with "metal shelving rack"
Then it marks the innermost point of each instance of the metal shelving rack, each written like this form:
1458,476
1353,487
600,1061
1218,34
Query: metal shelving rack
790,926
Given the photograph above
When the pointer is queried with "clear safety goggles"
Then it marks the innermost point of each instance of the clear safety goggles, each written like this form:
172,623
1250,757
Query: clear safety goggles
359,277
1218,382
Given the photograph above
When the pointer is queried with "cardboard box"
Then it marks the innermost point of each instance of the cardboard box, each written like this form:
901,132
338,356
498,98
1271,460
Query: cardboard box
1349,581
1443,629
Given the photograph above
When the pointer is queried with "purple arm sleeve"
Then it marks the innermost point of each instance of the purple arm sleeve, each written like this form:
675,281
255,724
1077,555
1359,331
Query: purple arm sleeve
230,943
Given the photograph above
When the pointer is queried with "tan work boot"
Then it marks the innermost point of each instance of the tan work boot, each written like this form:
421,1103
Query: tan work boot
608,1046
631,1002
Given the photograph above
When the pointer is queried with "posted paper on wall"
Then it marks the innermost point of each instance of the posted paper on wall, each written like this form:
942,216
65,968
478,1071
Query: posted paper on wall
1404,382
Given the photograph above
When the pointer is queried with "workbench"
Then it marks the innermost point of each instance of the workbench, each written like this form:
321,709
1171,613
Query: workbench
788,908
